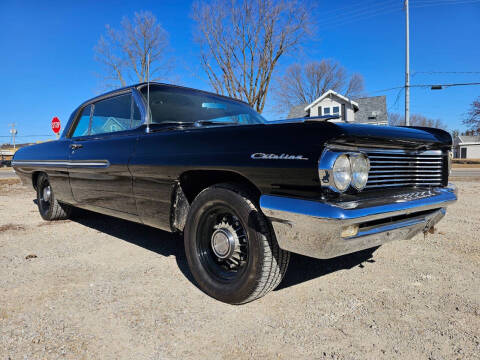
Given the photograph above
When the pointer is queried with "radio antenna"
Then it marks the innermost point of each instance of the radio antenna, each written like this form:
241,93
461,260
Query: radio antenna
148,92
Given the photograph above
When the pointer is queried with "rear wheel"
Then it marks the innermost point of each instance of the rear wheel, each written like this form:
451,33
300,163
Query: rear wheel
230,246
49,208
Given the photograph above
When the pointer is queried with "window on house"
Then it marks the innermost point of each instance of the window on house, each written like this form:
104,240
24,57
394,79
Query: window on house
336,110
326,111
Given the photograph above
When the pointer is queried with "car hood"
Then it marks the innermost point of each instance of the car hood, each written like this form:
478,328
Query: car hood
363,134
408,136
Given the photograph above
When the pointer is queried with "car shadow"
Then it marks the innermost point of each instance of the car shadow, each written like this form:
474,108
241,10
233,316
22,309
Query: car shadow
155,240
301,268
304,268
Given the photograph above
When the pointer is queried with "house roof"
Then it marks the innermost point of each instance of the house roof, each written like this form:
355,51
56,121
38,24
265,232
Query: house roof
329,93
372,109
464,139
297,112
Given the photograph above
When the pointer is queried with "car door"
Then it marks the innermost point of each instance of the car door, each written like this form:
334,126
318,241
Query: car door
102,144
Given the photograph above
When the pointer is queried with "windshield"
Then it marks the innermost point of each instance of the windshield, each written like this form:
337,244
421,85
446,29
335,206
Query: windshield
172,104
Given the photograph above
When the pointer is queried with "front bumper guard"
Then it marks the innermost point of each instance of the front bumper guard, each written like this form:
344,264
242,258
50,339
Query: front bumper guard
314,228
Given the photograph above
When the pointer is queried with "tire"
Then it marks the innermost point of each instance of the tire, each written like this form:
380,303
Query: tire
50,209
255,266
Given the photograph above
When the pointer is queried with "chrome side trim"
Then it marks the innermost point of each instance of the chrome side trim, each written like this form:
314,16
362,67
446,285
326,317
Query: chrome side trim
63,163
313,228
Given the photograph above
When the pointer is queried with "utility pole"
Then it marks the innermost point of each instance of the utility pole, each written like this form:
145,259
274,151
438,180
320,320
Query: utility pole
14,132
407,65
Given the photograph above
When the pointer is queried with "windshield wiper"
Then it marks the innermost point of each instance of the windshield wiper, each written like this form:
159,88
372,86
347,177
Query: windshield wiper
213,122
321,118
174,123
198,123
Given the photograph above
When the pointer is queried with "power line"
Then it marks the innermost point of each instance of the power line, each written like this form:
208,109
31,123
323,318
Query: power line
362,13
426,85
444,72
389,89
448,85
345,10
439,3
397,98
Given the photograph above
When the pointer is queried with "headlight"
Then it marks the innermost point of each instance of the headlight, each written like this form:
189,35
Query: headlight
360,168
342,173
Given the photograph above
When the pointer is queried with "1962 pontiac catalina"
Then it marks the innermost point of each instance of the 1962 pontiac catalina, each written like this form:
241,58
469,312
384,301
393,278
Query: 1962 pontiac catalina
244,192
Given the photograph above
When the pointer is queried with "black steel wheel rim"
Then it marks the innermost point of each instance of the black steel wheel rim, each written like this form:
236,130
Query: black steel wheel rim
221,219
44,200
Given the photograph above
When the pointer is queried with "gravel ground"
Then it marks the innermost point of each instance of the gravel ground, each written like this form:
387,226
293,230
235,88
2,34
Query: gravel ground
101,288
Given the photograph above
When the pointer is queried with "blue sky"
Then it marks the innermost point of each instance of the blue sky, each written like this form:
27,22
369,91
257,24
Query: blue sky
47,65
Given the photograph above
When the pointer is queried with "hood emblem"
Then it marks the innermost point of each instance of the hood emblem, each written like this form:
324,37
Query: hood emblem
263,156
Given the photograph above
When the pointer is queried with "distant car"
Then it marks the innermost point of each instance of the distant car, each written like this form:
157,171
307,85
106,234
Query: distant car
243,191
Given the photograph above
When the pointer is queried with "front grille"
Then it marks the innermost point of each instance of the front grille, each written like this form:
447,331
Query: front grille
390,168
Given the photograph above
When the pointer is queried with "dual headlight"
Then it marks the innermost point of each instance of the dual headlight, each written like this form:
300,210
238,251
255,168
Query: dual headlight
342,170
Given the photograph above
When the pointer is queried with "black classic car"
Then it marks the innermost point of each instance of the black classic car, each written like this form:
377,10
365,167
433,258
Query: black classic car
244,192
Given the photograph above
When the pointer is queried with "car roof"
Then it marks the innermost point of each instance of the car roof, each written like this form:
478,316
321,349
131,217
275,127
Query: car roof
138,86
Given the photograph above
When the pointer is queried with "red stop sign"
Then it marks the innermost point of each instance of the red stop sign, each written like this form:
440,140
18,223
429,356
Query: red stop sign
56,125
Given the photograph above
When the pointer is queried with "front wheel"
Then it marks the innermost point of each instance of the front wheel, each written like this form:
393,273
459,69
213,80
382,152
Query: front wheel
49,208
230,246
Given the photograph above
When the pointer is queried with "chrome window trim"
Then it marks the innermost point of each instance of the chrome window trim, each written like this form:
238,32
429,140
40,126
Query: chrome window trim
139,100
135,95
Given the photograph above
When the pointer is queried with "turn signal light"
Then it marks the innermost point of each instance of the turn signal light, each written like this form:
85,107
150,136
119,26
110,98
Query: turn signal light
349,231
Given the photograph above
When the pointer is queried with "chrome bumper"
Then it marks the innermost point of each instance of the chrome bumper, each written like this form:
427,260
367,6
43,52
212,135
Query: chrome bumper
314,228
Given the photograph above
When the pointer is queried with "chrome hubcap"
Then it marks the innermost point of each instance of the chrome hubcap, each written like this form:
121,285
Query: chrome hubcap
47,193
223,243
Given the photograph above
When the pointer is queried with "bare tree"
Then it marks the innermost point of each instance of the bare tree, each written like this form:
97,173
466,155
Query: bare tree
243,40
395,119
472,120
303,84
124,53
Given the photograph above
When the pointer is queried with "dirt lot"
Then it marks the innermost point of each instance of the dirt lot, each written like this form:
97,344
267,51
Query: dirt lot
100,288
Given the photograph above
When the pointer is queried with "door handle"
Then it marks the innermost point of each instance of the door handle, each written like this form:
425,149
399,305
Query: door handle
76,146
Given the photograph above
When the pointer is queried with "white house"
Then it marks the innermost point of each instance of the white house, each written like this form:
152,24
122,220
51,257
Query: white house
466,147
367,110
332,103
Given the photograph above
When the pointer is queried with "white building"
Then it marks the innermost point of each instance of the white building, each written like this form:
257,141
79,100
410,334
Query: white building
332,103
367,110
466,147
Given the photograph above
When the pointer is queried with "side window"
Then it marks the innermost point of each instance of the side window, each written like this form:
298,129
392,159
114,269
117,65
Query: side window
83,123
112,115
